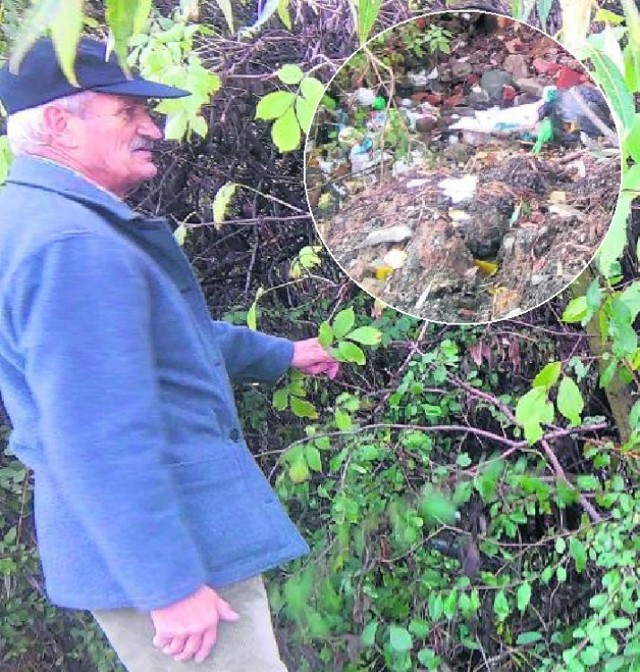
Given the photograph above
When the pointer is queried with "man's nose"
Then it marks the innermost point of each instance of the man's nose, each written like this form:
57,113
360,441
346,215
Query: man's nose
150,129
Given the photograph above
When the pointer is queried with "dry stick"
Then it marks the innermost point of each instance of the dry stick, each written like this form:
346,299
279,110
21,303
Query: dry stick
557,467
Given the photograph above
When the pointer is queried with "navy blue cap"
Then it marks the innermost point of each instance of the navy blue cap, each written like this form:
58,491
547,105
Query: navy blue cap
40,79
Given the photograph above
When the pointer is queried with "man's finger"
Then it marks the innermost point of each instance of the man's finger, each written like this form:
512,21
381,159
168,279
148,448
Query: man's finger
208,641
225,612
175,646
191,646
161,640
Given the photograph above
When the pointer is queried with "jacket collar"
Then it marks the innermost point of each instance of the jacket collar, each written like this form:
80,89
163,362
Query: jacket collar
50,176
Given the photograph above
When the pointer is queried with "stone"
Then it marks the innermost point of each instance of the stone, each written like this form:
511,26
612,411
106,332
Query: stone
425,124
460,70
391,234
440,251
492,81
516,64
530,86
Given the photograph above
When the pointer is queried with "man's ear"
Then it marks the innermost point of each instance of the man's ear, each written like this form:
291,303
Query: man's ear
60,126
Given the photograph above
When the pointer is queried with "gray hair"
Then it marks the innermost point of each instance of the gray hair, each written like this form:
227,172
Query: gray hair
25,129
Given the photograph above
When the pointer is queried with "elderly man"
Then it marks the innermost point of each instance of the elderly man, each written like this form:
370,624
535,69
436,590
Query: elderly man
150,510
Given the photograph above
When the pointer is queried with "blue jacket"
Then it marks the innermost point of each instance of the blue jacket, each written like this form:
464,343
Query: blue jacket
117,383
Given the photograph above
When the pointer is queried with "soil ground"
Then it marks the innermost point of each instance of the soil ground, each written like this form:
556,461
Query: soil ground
532,224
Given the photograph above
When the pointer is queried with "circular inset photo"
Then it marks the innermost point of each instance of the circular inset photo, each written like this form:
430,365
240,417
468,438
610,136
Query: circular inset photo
463,167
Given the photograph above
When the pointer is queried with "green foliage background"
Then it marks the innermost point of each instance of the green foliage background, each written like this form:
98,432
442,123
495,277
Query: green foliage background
469,493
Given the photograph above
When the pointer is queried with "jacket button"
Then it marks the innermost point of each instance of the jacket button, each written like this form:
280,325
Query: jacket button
234,434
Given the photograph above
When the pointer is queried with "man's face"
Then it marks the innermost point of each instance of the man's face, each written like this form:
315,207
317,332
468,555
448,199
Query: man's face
115,136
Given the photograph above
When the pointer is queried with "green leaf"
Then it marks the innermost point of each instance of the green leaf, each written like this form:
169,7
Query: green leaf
120,21
280,399
298,471
368,636
290,74
303,409
614,86
632,140
525,638
570,402
325,335
634,416
435,508
548,376
367,14
561,574
343,420
400,639
350,352
419,628
343,323
175,126
576,310
199,126
463,460
140,15
543,8
285,132
631,298
578,553
501,605
274,105
365,335
221,201
35,22
283,14
590,656
304,113
66,28
533,409
313,90
225,7
252,312
312,455
523,596
616,238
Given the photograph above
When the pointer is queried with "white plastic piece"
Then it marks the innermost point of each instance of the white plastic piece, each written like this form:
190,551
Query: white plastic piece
459,189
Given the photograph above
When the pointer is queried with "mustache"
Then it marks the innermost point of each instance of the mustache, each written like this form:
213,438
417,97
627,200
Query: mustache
143,143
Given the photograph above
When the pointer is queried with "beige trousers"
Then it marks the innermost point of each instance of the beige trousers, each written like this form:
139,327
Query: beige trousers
247,645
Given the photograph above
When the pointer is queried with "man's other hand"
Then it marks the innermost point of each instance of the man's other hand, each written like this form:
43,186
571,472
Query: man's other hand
188,629
311,358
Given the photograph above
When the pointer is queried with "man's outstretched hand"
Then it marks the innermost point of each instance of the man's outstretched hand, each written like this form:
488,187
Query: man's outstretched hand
189,628
311,358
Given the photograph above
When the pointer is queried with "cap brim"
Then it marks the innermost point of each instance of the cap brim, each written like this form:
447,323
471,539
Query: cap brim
142,88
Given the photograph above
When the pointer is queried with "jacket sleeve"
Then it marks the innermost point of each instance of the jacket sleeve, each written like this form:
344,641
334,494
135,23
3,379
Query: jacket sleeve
251,355
83,324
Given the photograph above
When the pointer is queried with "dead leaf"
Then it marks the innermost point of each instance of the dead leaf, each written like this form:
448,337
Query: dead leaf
488,268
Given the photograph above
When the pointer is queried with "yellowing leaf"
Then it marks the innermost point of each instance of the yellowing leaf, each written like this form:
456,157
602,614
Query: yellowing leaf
383,272
180,234
487,267
221,201
299,471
